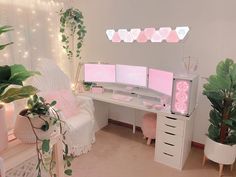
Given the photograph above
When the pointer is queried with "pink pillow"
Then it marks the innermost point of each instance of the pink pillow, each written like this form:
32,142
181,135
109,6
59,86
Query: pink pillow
66,101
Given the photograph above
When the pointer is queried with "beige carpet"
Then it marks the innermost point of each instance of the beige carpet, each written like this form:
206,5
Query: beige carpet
119,153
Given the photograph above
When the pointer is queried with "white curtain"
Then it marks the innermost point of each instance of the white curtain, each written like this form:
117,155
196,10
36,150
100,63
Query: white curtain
36,32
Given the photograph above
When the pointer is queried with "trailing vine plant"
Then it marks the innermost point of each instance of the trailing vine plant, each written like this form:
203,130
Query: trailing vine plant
38,108
72,19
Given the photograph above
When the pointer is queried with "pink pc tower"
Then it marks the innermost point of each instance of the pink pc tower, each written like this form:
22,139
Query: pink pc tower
184,94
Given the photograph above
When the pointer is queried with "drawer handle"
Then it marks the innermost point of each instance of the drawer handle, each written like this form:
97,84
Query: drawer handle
171,118
169,144
172,126
168,154
170,133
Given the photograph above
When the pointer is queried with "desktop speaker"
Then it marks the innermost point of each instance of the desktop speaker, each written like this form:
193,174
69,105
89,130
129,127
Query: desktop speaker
184,94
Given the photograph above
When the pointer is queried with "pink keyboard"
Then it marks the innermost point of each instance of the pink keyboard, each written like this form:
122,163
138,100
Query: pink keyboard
121,97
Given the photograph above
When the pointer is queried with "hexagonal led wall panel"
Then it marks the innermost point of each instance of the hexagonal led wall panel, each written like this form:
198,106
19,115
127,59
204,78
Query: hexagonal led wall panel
136,34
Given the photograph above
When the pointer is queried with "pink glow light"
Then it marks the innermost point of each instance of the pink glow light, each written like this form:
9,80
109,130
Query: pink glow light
160,81
129,38
116,37
135,33
149,32
164,32
172,37
156,37
99,73
142,37
181,97
133,75
182,86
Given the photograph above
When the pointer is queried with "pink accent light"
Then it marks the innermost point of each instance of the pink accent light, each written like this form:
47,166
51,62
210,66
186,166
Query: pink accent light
132,75
181,97
142,37
99,73
164,33
149,32
156,37
116,37
173,37
160,81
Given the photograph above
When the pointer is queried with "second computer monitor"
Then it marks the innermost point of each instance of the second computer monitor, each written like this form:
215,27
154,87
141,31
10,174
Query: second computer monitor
131,75
99,73
160,81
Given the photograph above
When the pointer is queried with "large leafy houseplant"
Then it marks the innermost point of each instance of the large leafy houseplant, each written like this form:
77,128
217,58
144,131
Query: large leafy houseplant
13,75
221,92
43,120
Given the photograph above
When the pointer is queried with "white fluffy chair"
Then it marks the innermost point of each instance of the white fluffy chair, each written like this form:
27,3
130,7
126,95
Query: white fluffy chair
53,80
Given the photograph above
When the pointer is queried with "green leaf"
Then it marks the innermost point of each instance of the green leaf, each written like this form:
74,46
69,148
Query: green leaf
68,172
20,74
46,145
5,73
53,103
213,132
223,68
45,127
4,29
13,94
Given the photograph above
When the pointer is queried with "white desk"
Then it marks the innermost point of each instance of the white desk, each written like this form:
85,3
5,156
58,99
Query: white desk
174,132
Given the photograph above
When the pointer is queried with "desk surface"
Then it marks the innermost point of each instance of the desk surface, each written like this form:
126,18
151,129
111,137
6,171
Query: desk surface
135,103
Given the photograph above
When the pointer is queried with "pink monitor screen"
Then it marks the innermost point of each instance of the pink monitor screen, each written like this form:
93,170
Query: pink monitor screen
132,75
99,73
160,81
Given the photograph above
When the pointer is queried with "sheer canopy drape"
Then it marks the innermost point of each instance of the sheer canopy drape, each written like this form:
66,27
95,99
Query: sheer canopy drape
36,32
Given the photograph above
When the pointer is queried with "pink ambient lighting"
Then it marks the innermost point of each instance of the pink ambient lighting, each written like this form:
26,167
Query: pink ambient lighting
131,75
172,38
181,97
129,38
160,81
136,34
116,37
164,32
123,34
156,37
99,73
149,32
142,37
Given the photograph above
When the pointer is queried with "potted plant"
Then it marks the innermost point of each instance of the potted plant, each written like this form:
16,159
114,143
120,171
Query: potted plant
11,88
72,31
36,124
220,89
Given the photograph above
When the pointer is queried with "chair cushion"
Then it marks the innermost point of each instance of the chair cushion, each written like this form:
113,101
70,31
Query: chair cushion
66,101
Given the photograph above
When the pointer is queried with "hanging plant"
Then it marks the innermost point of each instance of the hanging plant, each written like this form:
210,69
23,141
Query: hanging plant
72,19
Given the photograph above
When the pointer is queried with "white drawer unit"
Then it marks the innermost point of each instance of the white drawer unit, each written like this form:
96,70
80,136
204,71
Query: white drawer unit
173,133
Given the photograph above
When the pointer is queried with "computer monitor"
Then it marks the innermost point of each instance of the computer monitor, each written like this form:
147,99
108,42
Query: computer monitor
131,75
104,73
160,81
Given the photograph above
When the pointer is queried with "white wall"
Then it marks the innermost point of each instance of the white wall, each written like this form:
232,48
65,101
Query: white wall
211,39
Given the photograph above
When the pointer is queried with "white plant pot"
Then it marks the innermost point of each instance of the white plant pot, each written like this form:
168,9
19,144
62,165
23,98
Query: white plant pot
3,130
220,153
24,132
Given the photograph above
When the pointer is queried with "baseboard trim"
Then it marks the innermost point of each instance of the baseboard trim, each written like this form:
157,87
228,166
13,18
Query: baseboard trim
194,144
198,145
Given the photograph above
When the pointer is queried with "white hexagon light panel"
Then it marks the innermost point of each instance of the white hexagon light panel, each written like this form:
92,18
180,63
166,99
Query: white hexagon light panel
148,34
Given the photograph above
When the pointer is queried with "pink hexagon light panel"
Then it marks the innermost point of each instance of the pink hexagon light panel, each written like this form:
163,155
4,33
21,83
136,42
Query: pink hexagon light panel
148,34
